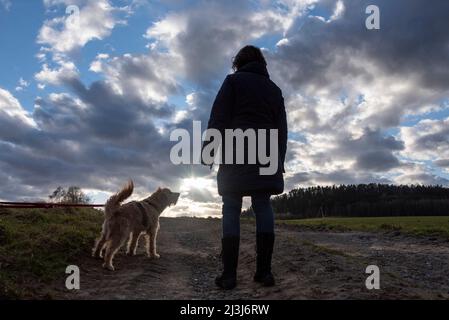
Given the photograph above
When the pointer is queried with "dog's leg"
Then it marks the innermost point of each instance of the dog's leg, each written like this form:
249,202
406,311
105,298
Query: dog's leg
98,248
112,248
153,251
147,245
132,245
128,245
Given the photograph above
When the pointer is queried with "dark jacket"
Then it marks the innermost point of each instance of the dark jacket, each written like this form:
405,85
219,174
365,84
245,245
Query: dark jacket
249,99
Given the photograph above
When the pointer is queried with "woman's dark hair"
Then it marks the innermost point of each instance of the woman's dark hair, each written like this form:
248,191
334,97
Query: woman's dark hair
246,55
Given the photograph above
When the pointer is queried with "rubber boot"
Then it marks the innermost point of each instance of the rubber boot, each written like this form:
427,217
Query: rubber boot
230,257
264,242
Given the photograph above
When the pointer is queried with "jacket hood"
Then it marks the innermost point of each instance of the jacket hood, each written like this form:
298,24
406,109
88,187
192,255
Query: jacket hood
255,67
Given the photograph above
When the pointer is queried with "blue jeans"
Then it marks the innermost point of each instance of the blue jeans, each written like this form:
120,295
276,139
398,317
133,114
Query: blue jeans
232,207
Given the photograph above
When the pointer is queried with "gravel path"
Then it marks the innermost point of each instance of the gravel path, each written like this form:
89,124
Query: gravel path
307,265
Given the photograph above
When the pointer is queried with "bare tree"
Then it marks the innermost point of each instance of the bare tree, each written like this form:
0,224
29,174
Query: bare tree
73,195
57,195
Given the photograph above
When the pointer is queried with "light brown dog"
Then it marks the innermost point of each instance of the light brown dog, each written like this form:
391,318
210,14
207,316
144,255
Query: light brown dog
130,221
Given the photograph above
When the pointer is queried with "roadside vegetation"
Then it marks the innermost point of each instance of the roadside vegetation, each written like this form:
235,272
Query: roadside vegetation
36,245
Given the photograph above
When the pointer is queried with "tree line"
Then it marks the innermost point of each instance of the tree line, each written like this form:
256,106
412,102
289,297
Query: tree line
363,200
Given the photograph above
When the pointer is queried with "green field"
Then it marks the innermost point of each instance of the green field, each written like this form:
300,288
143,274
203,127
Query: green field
38,244
419,226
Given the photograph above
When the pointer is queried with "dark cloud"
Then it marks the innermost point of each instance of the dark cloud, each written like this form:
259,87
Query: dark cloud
443,163
424,179
413,40
95,139
434,140
428,139
373,151
377,161
410,49
214,31
337,177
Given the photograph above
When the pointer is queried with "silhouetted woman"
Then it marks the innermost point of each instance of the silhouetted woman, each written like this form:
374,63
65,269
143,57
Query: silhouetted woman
248,99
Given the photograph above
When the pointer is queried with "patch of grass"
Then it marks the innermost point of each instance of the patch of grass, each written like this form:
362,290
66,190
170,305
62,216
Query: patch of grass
419,226
36,245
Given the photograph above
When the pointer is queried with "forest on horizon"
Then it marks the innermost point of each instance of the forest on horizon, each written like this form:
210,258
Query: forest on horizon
362,200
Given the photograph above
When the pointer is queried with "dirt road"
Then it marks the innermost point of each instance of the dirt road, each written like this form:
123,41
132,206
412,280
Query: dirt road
307,265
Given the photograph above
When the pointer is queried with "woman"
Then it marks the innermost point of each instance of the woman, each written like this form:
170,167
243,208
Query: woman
248,99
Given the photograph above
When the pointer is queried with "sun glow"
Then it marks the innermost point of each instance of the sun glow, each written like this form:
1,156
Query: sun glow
188,184
198,199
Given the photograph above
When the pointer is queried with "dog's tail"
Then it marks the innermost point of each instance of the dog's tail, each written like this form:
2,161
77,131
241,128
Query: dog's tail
114,202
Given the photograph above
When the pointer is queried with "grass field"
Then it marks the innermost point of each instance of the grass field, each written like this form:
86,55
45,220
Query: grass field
418,226
39,244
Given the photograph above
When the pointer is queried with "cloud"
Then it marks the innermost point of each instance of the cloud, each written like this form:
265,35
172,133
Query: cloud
338,157
151,77
78,142
22,85
207,35
427,140
346,88
90,20
6,4
338,177
337,13
64,73
12,112
96,65
423,178
373,151
443,163
381,76
61,37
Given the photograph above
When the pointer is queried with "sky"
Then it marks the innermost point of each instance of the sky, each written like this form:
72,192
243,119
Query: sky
91,89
